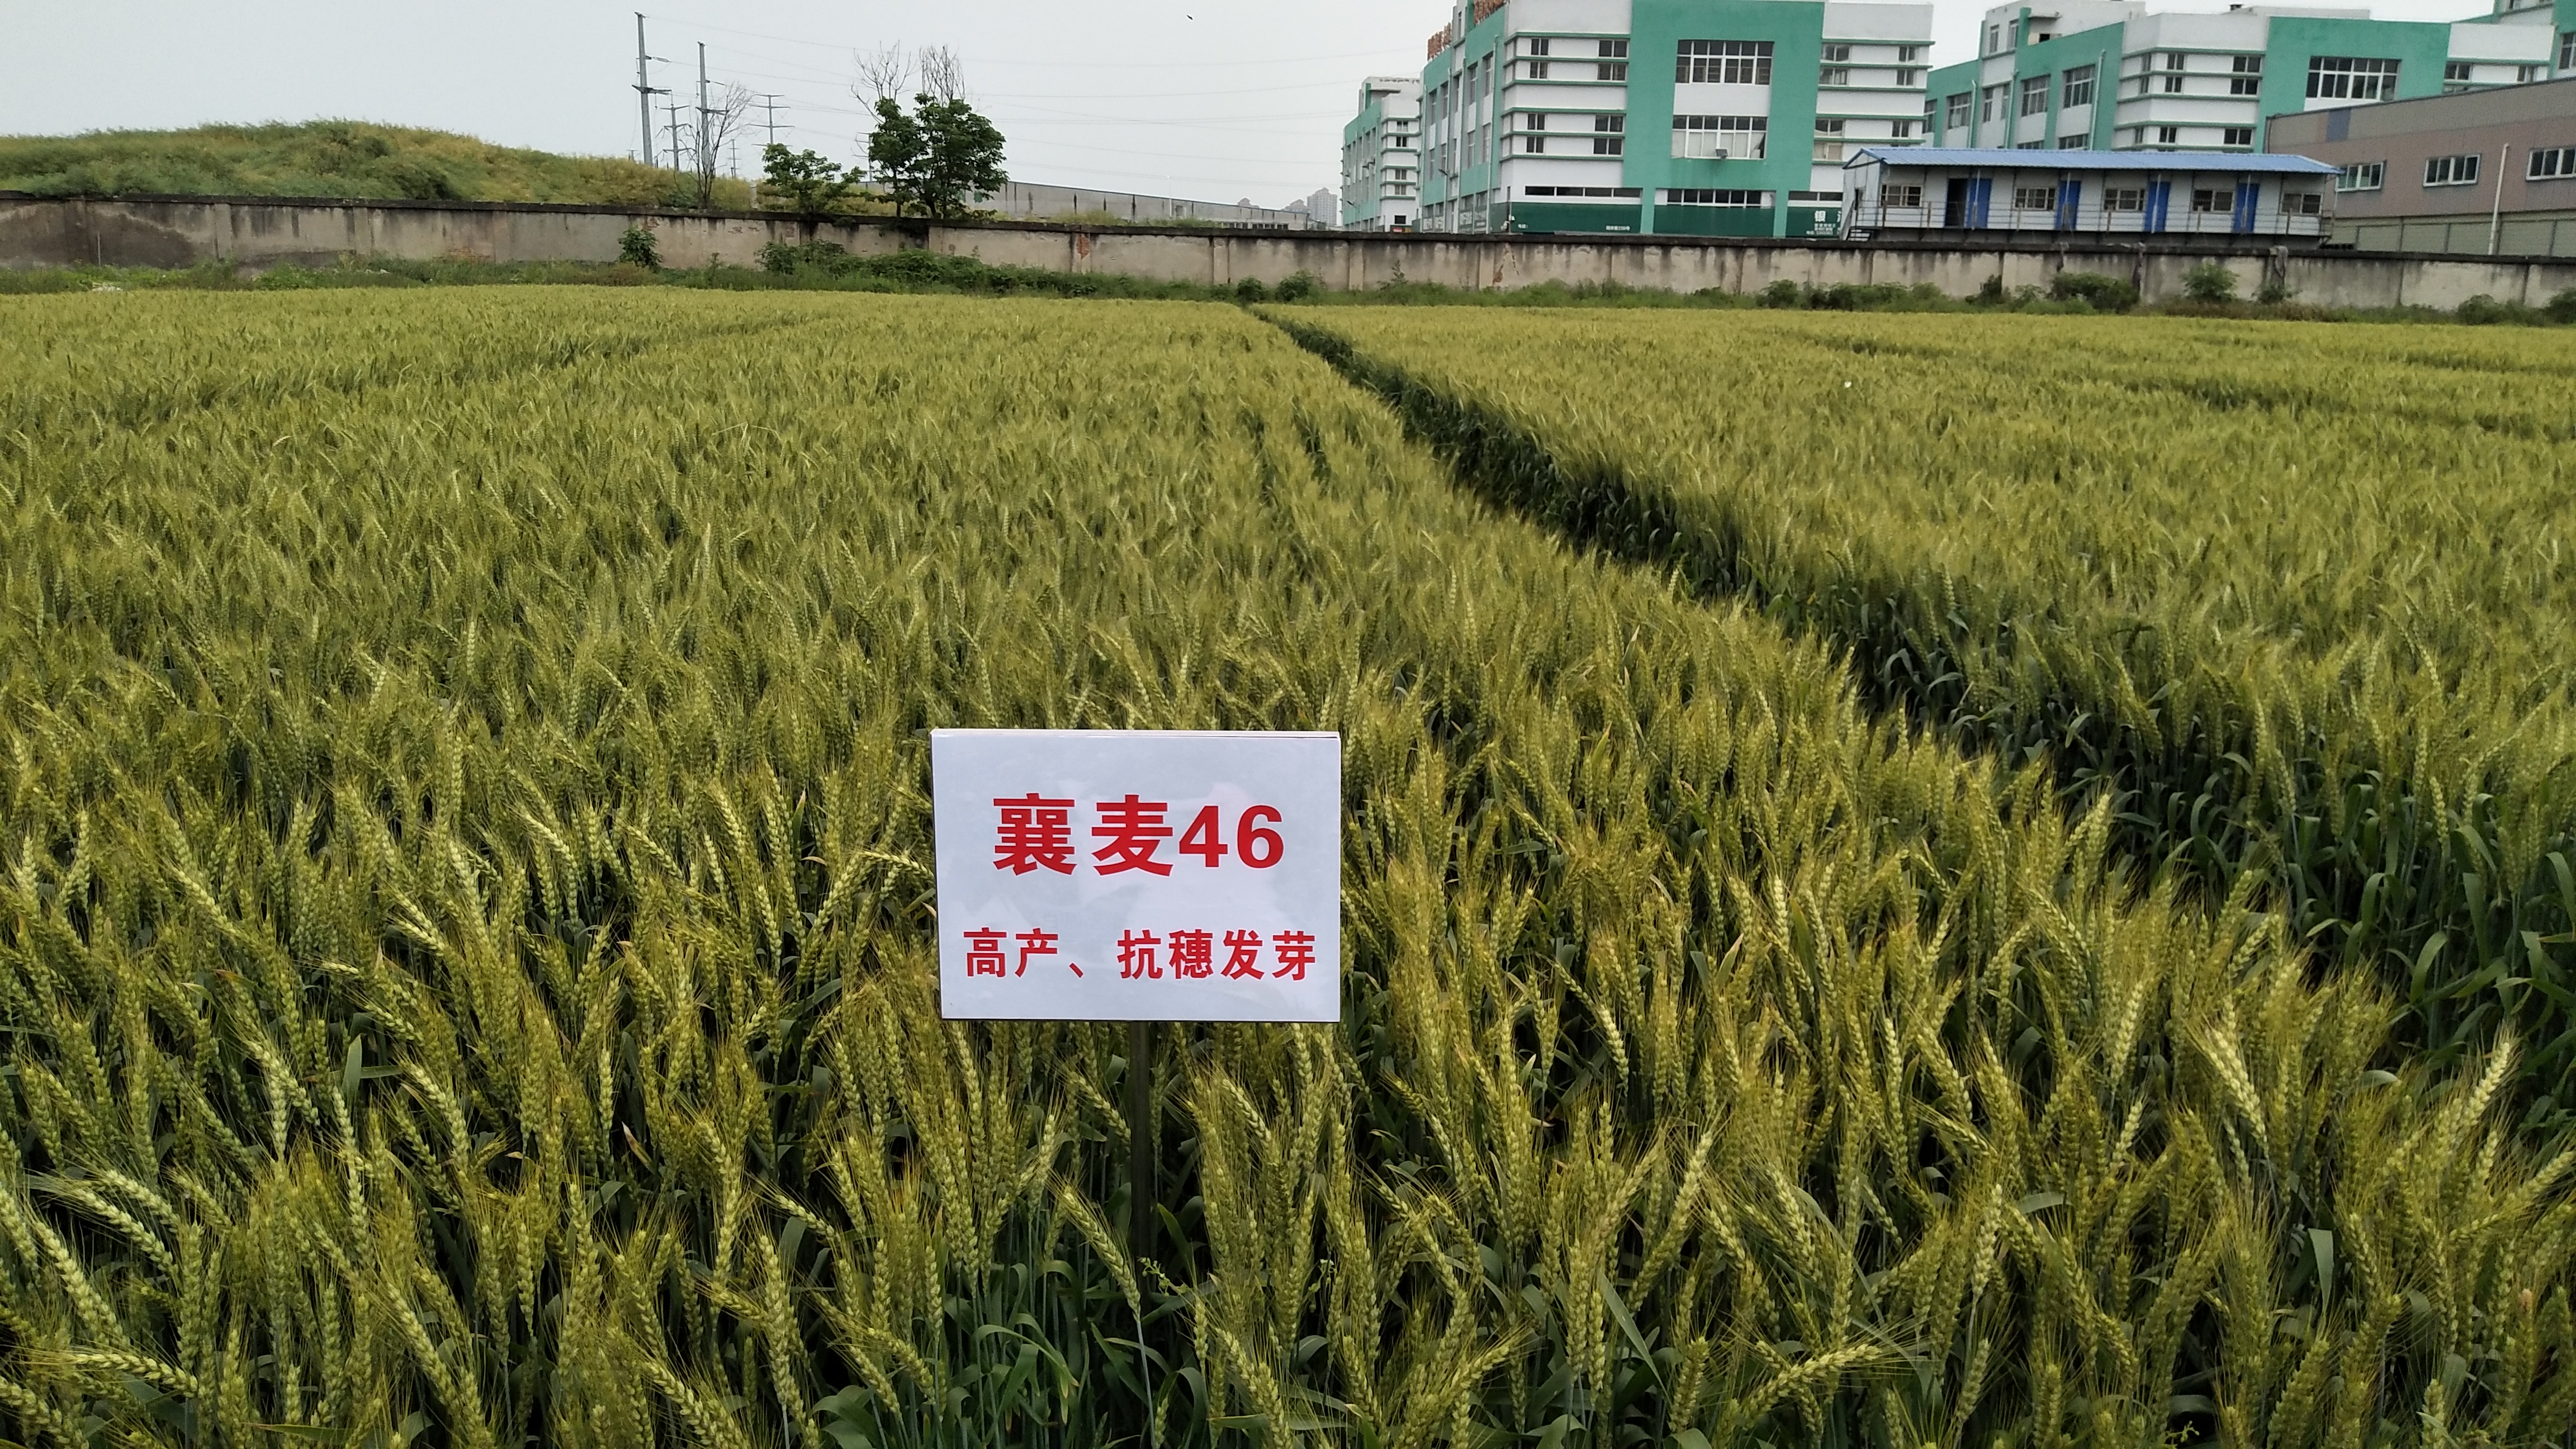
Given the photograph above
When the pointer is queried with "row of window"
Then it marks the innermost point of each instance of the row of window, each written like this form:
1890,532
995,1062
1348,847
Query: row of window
2552,163
2117,199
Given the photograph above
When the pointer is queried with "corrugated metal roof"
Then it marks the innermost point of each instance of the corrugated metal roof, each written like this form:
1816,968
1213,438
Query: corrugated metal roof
2001,158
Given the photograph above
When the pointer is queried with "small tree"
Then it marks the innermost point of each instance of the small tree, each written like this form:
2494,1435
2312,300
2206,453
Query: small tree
936,159
639,247
2209,282
810,183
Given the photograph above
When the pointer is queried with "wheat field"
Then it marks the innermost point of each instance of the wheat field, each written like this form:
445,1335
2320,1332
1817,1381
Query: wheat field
2303,598
469,975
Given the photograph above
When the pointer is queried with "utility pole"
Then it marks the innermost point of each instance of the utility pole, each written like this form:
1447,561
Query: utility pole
676,130
645,90
769,103
706,137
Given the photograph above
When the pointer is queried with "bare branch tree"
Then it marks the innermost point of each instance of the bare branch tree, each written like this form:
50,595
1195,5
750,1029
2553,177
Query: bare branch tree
883,74
943,75
720,123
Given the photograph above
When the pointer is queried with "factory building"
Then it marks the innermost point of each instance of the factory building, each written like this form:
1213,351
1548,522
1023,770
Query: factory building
1695,117
1382,155
2489,172
2113,76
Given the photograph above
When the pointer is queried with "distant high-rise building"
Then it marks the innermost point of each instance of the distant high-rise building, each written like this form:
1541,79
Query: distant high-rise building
1381,156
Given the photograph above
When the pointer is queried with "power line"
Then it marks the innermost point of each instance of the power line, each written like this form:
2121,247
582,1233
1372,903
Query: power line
1052,64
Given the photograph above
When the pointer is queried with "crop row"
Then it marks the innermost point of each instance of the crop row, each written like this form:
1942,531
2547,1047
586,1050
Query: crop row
2302,601
468,961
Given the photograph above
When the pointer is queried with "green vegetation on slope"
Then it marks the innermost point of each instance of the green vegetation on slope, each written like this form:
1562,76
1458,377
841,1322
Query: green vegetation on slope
2303,599
346,159
470,977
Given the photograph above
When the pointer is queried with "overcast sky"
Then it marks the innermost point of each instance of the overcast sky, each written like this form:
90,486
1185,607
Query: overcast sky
1214,99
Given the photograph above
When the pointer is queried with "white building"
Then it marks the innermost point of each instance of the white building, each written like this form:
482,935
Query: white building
1381,159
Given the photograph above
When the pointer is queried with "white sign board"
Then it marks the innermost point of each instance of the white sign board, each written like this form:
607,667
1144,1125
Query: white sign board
1129,876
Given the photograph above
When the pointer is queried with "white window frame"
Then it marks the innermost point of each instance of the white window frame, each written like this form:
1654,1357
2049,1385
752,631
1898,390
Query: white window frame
2034,97
2362,176
2023,198
2551,163
1723,62
2075,79
2458,170
2245,76
2351,78
2236,136
1703,138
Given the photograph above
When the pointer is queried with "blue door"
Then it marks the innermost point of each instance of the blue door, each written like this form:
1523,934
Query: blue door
2070,196
1981,198
2159,201
2247,194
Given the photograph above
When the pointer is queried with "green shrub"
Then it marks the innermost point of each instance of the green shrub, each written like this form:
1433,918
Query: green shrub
2562,308
1300,287
639,247
2209,282
2101,293
1783,293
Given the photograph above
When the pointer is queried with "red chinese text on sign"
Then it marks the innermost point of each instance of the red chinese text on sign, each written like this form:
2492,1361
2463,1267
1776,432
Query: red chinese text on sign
1037,833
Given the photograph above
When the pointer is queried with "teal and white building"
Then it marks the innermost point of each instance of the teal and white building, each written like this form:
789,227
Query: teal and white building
2113,75
1695,117
1382,155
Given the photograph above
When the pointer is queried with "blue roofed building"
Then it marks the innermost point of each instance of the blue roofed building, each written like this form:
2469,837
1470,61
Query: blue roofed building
1941,191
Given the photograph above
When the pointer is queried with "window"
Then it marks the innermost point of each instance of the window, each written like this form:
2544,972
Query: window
1991,102
1535,45
1738,138
1614,50
1994,39
2552,164
1900,196
2346,78
1959,105
1900,130
2303,203
1834,197
2124,198
2078,90
2451,170
2218,200
1835,53
2034,95
1534,69
1909,78
1703,196
2362,176
1834,75
1611,70
2245,76
2567,51
2032,146
2034,198
1829,140
2236,136
2524,75
2172,83
2073,143
1724,62
2456,72
2168,135
1908,54
1606,137
2173,60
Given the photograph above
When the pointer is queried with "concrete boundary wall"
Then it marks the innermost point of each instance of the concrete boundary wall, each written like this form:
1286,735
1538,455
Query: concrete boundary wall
260,233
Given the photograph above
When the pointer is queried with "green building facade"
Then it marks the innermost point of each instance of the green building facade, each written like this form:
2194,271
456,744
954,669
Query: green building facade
1678,117
2117,76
